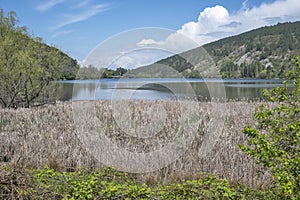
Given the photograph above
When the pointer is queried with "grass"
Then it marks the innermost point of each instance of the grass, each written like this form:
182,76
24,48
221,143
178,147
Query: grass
37,137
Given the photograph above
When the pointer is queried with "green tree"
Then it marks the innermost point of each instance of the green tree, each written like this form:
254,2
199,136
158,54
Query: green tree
90,72
275,141
120,71
28,67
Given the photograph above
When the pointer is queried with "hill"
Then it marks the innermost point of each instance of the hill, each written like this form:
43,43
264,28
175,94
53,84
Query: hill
261,53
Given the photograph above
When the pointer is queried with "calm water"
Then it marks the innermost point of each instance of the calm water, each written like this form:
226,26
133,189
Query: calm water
165,89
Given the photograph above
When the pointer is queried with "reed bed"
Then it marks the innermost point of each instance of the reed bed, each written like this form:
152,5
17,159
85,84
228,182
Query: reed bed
49,135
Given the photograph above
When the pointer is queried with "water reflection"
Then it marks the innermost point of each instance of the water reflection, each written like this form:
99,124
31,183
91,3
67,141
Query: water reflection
165,89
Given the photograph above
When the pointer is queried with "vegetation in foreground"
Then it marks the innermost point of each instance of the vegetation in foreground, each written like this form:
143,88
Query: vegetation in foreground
275,140
108,183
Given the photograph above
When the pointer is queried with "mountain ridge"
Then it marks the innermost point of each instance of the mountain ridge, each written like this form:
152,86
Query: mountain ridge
265,52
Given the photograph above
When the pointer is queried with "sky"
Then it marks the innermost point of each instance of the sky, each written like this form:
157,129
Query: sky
79,27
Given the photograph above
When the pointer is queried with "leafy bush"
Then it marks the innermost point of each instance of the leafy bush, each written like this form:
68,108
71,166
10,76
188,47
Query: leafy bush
112,184
46,183
275,141
106,184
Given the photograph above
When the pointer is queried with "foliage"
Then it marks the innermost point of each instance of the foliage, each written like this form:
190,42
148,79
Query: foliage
275,141
106,184
88,73
28,66
120,71
207,188
46,183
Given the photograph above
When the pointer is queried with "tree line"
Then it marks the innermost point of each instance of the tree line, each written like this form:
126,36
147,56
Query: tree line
91,72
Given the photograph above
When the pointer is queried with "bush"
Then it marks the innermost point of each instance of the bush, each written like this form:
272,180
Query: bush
46,183
275,141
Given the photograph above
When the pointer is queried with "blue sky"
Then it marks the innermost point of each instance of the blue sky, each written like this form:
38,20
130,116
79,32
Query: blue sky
78,26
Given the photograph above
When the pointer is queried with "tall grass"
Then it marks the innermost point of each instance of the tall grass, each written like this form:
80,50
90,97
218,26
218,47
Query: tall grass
36,137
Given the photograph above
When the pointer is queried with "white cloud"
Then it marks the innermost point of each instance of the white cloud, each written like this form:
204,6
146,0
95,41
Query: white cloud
175,43
44,6
209,25
147,42
216,22
192,33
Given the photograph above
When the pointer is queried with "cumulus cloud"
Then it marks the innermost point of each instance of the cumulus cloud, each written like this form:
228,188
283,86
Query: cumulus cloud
175,43
216,22
208,25
147,42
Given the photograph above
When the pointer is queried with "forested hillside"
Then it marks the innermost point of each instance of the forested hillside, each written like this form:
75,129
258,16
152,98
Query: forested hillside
28,66
262,53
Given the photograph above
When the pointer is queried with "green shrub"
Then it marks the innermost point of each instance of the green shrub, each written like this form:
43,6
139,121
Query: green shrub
275,141
46,183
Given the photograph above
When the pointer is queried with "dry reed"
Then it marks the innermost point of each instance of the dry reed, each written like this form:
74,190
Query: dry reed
36,137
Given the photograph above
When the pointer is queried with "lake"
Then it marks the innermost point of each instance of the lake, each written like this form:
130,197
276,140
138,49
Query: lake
166,89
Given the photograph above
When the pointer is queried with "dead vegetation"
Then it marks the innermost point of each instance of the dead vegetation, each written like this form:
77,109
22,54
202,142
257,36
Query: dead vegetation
36,137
